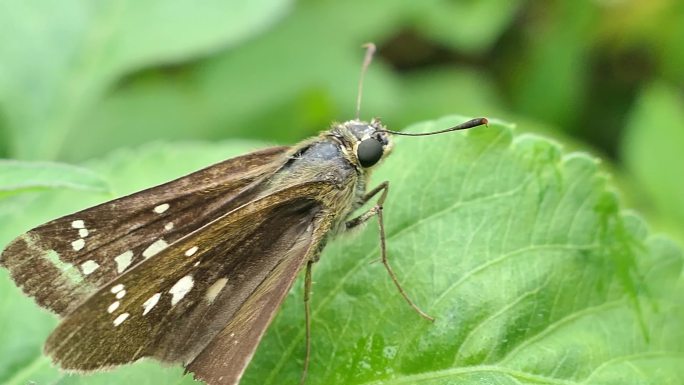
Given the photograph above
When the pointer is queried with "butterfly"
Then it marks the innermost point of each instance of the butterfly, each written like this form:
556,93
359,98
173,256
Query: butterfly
194,270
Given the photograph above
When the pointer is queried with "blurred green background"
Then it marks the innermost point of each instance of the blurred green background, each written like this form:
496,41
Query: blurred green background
81,80
78,79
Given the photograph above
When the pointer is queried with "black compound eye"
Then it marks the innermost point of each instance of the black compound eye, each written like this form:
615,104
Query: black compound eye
369,152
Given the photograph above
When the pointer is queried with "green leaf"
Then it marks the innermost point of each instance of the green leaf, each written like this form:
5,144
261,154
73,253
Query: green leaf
16,176
521,252
59,57
653,146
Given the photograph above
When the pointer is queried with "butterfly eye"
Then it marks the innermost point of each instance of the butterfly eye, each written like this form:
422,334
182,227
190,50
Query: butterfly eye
369,152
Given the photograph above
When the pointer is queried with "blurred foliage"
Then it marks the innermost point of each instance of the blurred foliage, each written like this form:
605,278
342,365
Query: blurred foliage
653,149
80,79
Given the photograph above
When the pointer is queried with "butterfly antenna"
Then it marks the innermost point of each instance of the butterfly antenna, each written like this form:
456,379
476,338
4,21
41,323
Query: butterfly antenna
463,126
370,51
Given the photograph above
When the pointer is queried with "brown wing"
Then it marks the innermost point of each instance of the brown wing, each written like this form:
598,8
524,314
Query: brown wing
225,358
173,305
64,261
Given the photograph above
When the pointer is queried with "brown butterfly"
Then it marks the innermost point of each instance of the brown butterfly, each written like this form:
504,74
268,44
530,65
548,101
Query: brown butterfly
193,271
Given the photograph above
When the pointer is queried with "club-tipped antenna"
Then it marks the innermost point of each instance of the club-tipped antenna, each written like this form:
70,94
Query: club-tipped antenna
463,126
370,51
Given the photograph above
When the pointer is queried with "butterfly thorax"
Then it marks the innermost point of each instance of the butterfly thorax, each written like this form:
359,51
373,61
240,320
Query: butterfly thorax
333,158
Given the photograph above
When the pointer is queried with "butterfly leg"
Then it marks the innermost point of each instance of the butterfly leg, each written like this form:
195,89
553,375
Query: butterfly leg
376,211
307,317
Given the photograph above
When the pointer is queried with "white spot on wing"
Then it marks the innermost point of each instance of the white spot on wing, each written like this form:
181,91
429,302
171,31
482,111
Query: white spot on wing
113,307
78,244
123,261
168,226
151,302
117,288
121,294
154,248
181,288
191,251
120,319
78,224
89,266
214,290
83,233
161,208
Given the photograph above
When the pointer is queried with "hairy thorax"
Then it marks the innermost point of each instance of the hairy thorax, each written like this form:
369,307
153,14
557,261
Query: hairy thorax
325,160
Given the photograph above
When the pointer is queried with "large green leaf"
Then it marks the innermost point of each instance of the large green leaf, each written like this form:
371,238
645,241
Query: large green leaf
521,252
59,57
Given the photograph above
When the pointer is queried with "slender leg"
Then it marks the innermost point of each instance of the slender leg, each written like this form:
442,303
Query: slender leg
384,187
307,317
363,218
377,211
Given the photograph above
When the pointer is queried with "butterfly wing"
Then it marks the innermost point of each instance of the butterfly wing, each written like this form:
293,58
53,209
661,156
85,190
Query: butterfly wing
225,358
173,305
64,261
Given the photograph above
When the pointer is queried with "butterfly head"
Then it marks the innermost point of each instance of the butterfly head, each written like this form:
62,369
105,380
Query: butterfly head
370,142
367,143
